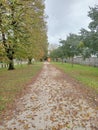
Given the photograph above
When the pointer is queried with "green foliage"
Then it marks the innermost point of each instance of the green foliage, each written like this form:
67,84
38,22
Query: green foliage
90,38
37,28
23,29
93,14
57,53
68,49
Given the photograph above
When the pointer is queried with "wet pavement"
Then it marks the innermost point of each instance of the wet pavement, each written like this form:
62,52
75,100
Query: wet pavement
52,104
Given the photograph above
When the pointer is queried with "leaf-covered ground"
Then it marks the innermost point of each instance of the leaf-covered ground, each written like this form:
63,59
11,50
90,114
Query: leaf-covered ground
53,103
13,83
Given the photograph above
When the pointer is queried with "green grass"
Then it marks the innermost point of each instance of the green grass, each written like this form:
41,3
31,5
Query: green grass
87,75
13,82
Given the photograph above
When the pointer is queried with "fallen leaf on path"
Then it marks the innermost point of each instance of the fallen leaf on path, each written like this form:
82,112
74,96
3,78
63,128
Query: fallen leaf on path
26,127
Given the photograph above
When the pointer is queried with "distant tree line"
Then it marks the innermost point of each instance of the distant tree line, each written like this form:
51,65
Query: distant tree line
84,44
23,31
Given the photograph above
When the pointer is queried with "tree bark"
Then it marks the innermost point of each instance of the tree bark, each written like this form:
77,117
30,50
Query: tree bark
29,61
10,55
8,50
72,61
11,65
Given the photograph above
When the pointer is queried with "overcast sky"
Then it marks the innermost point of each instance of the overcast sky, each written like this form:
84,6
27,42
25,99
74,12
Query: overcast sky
66,16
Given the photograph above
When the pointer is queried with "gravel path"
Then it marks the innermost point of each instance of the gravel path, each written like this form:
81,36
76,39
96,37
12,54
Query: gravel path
53,104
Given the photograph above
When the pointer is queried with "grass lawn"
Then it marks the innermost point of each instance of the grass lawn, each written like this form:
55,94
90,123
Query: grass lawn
13,82
85,74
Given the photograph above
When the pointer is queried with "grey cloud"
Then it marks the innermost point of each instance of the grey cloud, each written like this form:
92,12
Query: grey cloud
67,16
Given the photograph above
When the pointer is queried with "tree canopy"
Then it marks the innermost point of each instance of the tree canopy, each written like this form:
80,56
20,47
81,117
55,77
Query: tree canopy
23,31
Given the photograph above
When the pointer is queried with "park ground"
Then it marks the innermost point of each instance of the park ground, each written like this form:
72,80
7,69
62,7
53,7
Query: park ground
54,101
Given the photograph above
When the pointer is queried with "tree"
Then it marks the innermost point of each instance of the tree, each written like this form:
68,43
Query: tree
2,53
36,43
10,17
90,38
70,46
68,49
93,14
22,29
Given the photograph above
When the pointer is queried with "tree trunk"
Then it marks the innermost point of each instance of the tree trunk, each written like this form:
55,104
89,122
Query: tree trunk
29,61
10,55
72,61
11,65
9,50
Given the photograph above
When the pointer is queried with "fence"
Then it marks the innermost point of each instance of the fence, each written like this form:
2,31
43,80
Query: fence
92,61
16,62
